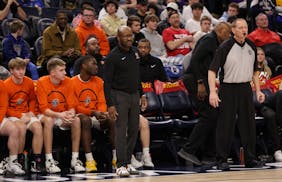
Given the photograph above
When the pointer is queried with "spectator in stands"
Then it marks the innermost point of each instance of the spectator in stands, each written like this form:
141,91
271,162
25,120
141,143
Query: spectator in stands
169,7
152,8
92,49
13,131
262,35
21,110
205,28
134,22
270,106
156,43
196,81
91,108
193,25
86,27
11,9
76,20
59,39
163,24
15,46
175,38
120,13
55,95
187,12
141,9
233,10
111,22
266,7
38,4
236,97
122,86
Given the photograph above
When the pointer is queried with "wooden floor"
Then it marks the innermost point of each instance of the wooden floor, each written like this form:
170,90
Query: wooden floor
268,175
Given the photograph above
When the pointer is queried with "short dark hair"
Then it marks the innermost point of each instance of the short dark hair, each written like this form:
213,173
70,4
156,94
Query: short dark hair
16,25
88,38
197,6
234,5
144,41
85,59
110,2
131,19
205,18
61,11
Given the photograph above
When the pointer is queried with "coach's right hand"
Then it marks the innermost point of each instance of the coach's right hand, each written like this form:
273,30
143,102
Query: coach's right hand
113,113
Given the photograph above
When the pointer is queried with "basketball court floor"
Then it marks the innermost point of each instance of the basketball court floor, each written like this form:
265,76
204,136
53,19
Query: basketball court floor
272,172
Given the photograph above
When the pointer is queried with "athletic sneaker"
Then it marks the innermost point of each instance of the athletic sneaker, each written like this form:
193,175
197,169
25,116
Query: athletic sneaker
52,166
36,166
147,161
132,170
135,163
114,164
15,167
3,165
278,156
90,166
77,166
122,172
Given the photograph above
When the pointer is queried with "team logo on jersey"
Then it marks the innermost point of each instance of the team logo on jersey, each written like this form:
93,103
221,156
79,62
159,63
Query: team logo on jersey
55,102
250,52
20,101
87,101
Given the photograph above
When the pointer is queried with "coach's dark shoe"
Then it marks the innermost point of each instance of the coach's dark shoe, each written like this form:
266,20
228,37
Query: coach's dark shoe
189,157
223,166
254,164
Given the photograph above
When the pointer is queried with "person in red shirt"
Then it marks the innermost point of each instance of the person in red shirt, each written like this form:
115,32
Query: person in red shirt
57,104
176,39
13,131
262,35
91,107
21,109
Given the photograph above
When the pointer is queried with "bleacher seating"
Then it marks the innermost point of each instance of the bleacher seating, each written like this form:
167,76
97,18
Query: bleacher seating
42,24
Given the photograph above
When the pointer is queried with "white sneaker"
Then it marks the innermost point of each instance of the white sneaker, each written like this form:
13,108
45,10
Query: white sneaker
52,166
3,165
278,156
132,170
15,168
135,163
147,160
77,166
122,172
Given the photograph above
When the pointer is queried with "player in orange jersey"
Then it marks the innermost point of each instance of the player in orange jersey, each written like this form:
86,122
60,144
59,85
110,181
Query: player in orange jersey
21,109
57,104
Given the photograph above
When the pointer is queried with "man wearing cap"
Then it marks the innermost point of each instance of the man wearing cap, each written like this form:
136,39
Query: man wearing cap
163,24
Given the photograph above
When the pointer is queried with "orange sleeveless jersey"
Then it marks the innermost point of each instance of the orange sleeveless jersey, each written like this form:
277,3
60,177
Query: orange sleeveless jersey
4,100
58,98
90,95
21,97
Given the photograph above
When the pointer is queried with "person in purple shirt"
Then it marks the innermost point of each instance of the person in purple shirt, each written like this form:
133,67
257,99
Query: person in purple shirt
15,46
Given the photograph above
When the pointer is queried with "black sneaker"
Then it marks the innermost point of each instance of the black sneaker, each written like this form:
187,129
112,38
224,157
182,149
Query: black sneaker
189,157
21,160
37,165
254,164
223,166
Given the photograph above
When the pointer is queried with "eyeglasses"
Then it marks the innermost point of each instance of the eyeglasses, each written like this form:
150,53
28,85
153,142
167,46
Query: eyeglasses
89,15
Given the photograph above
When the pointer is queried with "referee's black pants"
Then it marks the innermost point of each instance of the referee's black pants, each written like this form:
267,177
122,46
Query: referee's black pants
126,126
236,106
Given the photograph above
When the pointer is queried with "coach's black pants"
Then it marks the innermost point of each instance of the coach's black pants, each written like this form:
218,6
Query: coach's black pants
127,125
